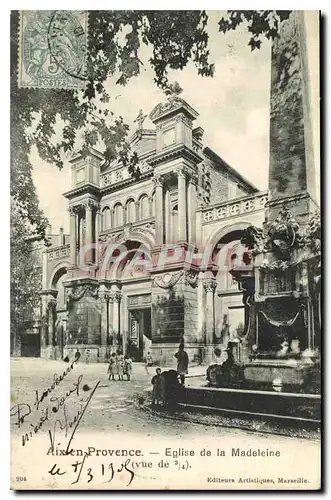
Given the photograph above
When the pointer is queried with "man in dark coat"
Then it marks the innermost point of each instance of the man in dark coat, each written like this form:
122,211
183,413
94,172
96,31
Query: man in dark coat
182,363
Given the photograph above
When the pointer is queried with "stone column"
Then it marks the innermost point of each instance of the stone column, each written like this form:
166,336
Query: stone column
116,296
191,209
201,311
181,206
210,286
44,323
89,233
73,240
110,318
97,231
104,319
51,323
198,226
167,209
158,210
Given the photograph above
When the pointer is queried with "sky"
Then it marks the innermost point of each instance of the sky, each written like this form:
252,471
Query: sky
233,109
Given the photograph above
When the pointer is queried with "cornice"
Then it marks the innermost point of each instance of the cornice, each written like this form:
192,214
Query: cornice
87,188
179,151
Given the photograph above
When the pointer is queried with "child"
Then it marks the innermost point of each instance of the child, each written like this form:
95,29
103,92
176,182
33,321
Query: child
128,366
149,359
120,365
112,366
149,362
157,392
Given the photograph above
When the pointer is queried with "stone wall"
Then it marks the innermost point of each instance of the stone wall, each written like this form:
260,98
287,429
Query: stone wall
191,334
167,315
219,185
84,322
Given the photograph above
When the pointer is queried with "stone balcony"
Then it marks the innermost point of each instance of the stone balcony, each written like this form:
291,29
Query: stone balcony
234,208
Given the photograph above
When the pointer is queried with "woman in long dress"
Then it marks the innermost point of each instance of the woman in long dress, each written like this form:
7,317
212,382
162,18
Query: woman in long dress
112,366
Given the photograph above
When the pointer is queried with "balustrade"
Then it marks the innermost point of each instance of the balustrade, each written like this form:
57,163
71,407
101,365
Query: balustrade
233,208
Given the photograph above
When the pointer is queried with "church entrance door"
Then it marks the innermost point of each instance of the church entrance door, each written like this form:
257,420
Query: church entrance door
139,340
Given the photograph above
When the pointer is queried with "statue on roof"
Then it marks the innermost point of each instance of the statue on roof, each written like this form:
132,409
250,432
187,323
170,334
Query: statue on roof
173,90
140,119
174,104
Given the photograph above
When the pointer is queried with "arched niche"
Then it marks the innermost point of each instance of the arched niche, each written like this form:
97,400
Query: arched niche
130,211
59,276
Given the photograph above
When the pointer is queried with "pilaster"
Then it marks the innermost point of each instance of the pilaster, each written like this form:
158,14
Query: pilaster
159,218
209,285
73,234
182,224
191,209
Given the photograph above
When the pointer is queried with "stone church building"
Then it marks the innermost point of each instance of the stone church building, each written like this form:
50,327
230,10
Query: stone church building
146,264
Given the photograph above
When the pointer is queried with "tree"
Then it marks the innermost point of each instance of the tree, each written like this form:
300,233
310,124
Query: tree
177,37
25,275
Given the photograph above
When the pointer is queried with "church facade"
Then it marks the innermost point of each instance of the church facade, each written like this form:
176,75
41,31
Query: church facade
146,264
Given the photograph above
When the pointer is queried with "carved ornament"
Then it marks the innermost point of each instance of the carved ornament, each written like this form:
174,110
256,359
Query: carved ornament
209,285
174,102
279,237
167,280
77,292
312,235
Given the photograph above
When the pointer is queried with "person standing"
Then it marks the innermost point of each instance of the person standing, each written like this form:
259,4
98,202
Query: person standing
128,366
112,368
120,365
157,389
149,361
182,363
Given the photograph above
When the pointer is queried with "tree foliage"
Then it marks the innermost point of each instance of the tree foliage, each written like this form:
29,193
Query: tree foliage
25,272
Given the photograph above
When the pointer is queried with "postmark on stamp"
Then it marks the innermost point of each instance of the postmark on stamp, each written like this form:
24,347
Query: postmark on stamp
53,45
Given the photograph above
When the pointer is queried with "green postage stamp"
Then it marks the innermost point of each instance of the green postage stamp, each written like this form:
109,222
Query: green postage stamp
53,48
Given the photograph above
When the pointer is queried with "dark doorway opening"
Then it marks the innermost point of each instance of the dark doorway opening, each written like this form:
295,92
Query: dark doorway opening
30,345
140,333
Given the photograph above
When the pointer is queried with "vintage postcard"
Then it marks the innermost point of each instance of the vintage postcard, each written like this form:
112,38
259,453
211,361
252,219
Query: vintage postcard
165,250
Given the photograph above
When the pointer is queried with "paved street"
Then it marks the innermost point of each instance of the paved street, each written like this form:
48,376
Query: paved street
45,407
115,402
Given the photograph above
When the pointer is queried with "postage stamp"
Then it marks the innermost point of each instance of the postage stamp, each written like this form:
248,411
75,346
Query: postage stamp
53,48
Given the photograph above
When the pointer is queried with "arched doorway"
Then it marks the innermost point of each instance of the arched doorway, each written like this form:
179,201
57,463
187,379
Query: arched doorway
230,311
133,274
126,271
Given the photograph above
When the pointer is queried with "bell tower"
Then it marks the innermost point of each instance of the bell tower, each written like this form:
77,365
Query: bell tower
81,288
174,275
175,172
